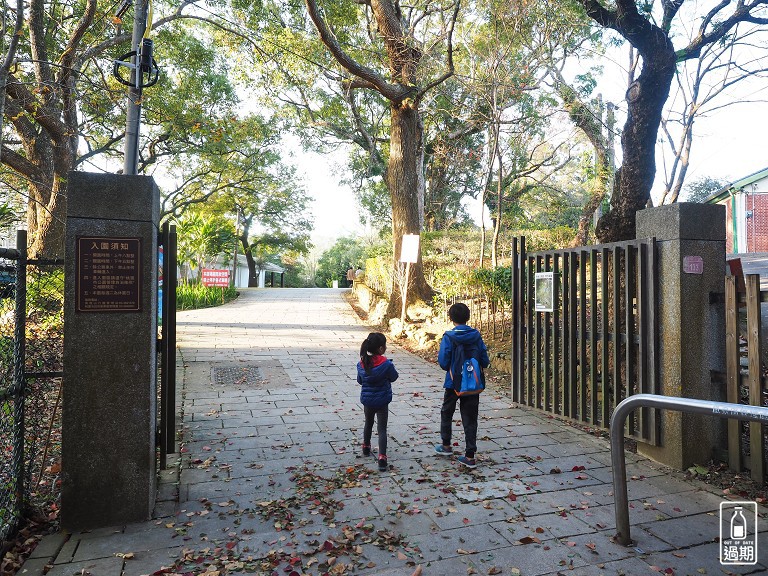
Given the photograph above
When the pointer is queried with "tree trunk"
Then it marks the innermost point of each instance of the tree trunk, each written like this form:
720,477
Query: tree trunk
499,211
253,276
253,273
403,182
47,205
645,100
46,216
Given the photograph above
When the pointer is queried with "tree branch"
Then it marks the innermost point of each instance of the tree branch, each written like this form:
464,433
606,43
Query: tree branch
68,56
396,93
742,13
449,49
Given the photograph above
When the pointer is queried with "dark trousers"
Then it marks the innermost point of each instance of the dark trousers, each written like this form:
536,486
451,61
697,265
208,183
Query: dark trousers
469,406
382,415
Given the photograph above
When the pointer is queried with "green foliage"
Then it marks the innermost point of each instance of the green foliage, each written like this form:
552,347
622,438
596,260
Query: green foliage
699,189
449,283
8,216
294,275
191,296
6,360
202,237
378,273
45,298
334,262
547,239
495,282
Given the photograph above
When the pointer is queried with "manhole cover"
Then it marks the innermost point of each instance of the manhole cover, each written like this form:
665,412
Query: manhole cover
239,376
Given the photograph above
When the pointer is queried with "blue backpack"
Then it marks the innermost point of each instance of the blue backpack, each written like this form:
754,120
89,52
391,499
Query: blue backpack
465,371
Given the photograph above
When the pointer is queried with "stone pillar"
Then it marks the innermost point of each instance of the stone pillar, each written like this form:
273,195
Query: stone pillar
110,359
691,249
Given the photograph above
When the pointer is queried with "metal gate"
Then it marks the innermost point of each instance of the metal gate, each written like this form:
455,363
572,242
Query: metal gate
594,339
167,344
31,318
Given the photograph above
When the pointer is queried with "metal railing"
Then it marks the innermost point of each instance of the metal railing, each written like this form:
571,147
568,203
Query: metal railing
625,408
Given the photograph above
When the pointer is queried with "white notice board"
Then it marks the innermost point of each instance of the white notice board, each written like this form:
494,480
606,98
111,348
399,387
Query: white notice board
409,250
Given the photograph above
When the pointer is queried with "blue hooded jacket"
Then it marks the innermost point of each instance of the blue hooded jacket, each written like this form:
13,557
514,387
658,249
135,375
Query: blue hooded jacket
465,335
376,383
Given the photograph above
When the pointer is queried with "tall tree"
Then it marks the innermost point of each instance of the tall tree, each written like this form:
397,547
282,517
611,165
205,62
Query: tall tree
63,111
588,117
647,94
411,71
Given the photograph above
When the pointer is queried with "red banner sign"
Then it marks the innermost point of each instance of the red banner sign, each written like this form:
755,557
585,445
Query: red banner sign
212,277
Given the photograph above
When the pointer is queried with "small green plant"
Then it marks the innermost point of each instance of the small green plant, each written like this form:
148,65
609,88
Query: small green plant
193,296
697,470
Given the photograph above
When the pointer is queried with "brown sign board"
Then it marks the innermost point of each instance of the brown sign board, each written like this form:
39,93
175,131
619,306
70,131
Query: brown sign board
108,277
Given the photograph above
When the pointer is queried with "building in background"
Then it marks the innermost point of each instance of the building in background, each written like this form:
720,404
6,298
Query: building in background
269,275
746,213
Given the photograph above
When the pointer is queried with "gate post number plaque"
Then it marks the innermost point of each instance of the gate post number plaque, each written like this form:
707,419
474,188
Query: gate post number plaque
109,399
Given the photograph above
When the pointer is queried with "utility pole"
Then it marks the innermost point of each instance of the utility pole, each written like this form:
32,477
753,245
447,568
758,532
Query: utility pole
133,113
141,63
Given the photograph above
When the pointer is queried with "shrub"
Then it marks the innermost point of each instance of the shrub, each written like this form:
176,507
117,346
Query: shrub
193,296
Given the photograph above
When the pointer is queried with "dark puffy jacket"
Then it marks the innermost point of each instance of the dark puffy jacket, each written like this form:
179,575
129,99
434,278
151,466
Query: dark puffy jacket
376,383
465,335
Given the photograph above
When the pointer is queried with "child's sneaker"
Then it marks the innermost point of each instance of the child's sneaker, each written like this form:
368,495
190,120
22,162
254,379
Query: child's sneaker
442,451
366,449
383,467
468,462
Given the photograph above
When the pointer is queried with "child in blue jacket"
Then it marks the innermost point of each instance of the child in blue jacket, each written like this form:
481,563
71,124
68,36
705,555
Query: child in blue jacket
375,375
469,405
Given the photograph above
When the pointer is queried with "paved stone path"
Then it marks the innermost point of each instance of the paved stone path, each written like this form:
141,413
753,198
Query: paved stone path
270,479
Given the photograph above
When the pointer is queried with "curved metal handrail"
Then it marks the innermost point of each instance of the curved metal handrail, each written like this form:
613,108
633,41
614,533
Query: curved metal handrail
626,406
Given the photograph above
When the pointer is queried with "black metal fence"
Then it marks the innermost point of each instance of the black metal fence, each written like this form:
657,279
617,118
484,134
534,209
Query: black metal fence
166,435
585,334
31,345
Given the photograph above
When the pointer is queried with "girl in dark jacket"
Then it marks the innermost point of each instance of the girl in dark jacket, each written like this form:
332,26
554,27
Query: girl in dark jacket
375,375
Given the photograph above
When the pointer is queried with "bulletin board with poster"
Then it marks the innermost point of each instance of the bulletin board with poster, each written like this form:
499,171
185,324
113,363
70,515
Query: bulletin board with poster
544,292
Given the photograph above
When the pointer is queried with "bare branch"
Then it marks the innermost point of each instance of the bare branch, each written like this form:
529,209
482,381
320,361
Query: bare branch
742,13
449,56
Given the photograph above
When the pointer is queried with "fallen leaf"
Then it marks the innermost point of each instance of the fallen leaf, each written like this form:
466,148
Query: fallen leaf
529,540
462,551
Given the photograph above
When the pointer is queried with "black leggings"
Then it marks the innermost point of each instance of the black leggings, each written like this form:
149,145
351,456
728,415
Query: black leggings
469,407
382,415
